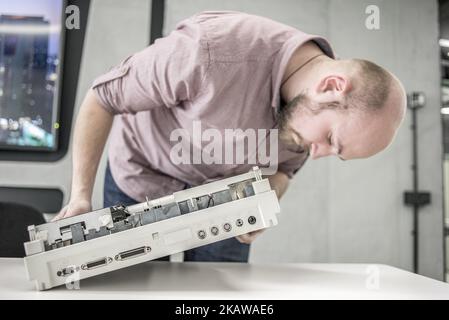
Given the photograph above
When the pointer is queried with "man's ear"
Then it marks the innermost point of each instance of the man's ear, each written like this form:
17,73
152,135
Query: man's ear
334,85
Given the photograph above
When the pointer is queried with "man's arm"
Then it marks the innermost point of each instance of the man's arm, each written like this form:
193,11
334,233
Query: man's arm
279,183
91,132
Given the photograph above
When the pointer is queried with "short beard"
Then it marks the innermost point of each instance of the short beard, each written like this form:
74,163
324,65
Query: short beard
284,117
299,104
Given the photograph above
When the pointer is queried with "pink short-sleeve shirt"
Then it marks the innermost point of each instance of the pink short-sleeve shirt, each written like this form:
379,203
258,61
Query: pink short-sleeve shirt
216,70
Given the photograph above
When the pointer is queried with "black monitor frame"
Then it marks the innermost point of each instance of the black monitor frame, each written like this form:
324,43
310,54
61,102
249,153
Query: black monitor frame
72,53
157,16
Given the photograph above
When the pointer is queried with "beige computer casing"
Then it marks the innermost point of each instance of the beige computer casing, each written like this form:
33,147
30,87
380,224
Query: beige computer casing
50,266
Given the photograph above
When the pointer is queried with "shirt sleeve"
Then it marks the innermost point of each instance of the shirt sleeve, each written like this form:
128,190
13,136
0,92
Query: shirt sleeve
162,75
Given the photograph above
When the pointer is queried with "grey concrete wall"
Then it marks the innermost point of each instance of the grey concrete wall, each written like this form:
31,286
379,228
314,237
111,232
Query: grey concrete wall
333,211
407,44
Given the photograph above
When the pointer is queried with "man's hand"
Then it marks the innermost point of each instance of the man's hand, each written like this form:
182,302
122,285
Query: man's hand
73,208
249,237
279,183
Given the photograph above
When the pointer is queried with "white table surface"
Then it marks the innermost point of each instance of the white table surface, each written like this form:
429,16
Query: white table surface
196,280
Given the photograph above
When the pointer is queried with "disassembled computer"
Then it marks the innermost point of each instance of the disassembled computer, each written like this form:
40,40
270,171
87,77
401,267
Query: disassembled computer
120,236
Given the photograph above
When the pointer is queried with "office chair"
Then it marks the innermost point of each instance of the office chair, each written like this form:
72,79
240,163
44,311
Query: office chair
14,220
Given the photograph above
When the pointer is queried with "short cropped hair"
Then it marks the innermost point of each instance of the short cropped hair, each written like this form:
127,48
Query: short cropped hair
371,89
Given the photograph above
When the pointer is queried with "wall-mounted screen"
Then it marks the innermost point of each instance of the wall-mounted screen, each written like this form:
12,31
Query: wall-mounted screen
31,42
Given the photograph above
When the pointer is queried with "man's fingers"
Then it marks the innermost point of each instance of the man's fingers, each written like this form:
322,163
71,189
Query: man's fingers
64,213
69,214
249,237
60,215
244,238
73,208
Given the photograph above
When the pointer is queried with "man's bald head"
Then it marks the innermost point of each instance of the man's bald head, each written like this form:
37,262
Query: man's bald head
356,102
379,94
374,86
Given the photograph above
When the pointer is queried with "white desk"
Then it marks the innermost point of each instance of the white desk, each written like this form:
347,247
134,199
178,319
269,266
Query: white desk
165,280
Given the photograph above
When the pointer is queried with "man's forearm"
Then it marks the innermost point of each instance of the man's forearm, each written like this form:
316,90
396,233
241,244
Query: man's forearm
279,182
91,131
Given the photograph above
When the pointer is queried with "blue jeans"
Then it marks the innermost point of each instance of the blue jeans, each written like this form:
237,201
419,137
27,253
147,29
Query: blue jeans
229,250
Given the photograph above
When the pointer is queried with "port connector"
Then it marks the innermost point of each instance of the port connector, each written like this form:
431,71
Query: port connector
201,234
134,253
227,227
214,231
252,220
66,271
96,264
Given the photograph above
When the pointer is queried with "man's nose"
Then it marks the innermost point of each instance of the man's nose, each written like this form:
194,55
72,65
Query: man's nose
319,150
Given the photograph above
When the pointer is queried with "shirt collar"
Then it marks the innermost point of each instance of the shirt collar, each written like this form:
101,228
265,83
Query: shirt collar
283,56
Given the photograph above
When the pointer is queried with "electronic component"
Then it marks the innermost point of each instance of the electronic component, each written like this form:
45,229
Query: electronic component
112,238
